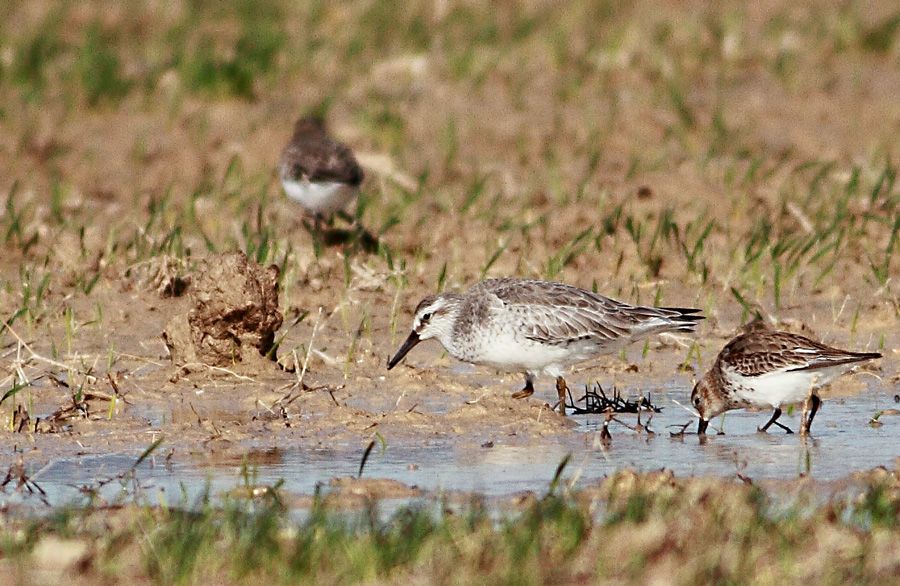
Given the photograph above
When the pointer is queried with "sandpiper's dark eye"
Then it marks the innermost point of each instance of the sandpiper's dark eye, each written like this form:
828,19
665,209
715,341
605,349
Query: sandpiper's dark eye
426,317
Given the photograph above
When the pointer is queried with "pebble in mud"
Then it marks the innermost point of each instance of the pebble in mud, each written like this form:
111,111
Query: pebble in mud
234,313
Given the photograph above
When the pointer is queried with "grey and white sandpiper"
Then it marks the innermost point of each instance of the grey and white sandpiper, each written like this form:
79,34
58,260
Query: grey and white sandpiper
536,327
768,368
317,171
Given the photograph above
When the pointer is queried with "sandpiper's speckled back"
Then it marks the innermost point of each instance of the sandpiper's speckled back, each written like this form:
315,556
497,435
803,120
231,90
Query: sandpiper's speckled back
312,155
763,351
569,324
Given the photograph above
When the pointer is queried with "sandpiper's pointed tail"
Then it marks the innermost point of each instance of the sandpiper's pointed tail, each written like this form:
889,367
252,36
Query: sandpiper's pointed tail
682,319
864,355
836,358
647,321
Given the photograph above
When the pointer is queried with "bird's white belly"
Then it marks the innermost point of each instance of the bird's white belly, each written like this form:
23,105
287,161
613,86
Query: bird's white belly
505,352
320,197
775,389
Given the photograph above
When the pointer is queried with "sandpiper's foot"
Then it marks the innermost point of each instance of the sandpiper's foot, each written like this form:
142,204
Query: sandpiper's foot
774,420
561,389
525,392
814,402
784,427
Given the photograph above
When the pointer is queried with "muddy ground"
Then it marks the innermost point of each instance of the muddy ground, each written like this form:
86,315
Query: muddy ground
737,159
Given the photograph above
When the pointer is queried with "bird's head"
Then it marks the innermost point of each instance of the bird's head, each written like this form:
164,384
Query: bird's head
708,400
434,318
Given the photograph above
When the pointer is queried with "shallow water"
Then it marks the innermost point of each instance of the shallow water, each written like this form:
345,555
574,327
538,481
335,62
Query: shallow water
842,443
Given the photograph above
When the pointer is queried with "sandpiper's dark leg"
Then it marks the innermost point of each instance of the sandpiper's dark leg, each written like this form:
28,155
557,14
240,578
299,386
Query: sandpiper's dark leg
527,391
313,224
815,402
561,389
774,420
784,427
347,217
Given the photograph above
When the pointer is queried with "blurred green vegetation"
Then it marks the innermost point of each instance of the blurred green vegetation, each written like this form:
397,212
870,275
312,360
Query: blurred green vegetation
631,528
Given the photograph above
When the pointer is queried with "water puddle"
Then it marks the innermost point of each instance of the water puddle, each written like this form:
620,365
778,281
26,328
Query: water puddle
843,443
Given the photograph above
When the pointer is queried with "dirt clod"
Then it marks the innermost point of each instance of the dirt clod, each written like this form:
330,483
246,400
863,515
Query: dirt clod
163,275
234,308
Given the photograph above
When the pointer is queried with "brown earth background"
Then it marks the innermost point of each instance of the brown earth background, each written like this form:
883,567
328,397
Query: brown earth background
736,157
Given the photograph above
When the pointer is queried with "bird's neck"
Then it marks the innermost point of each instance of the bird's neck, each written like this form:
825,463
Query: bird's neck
448,335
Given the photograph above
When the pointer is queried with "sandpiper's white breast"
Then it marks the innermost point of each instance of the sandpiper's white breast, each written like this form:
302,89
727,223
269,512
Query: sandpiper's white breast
506,352
326,197
503,347
780,387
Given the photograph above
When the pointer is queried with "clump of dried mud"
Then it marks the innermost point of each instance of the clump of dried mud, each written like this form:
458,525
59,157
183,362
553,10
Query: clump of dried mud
162,275
233,316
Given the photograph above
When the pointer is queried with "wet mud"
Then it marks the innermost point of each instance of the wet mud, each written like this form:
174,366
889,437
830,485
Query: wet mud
742,163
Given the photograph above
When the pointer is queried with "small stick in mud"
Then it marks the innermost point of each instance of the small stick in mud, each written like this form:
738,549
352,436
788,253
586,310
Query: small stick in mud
605,436
131,472
79,406
20,418
309,349
637,428
680,432
23,481
641,428
365,458
597,402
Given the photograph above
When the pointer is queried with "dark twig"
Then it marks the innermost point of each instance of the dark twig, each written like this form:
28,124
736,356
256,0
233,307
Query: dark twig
605,436
125,474
680,432
365,458
596,401
23,481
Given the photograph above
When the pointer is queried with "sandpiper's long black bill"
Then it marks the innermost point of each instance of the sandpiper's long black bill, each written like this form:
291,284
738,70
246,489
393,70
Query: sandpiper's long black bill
701,429
408,345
